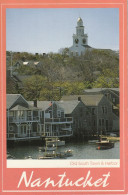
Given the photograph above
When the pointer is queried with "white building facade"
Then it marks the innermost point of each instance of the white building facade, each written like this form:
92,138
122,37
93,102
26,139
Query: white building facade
80,40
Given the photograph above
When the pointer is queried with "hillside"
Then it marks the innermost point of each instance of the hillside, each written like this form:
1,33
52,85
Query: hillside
60,74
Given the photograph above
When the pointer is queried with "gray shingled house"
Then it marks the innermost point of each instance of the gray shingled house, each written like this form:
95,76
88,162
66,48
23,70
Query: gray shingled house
112,94
81,117
53,120
103,120
23,120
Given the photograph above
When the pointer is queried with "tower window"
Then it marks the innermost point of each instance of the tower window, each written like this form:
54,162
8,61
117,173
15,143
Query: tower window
76,41
84,41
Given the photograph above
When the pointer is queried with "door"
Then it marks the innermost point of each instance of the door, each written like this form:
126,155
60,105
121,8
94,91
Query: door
23,130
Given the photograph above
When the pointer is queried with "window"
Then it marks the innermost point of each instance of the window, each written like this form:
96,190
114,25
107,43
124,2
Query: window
47,128
51,113
11,128
99,122
23,129
62,114
87,112
58,113
93,111
106,124
81,111
47,115
104,109
20,113
102,122
29,113
113,99
11,113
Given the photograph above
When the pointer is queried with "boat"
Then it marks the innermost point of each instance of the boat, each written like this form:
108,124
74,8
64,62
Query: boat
68,153
57,155
48,148
52,153
104,144
92,141
9,156
28,158
56,141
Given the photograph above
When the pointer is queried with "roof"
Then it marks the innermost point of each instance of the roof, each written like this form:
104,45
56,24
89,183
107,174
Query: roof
36,63
89,100
10,99
114,89
86,46
25,63
68,106
18,107
41,104
92,100
100,89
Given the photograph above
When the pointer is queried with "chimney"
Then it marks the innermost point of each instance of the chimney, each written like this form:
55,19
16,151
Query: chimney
79,98
35,103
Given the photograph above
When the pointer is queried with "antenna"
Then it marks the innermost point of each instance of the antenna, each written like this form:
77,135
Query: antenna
79,14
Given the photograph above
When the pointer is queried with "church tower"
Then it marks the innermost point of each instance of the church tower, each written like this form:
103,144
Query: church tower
80,40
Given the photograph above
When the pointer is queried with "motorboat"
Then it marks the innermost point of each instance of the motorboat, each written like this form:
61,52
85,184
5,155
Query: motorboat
28,158
56,155
52,152
9,156
47,148
104,144
92,141
56,141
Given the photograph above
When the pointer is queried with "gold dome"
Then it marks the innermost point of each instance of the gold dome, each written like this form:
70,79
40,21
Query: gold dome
79,19
79,22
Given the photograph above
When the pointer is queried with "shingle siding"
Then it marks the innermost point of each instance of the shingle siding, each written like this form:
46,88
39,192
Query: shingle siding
81,120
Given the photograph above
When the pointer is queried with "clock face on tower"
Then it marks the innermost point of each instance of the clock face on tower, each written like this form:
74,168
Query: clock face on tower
84,41
76,40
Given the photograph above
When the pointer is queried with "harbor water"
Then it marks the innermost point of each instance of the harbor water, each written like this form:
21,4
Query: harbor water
84,150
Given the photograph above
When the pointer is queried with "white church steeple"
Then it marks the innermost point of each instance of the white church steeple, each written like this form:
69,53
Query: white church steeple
80,40
79,27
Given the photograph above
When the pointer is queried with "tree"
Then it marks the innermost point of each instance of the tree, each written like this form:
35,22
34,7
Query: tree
108,79
33,86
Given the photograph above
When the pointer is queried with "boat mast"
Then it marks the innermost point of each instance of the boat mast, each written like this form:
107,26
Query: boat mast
97,118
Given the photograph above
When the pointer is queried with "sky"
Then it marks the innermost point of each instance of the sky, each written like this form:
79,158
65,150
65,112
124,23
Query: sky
44,30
